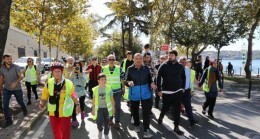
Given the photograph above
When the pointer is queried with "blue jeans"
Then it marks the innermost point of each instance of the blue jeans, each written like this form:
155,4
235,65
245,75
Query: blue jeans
117,98
6,99
186,100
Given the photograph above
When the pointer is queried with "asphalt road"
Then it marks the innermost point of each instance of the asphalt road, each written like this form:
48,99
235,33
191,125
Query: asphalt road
235,117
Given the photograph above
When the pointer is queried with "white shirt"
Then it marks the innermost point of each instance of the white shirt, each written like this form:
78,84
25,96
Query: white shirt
28,73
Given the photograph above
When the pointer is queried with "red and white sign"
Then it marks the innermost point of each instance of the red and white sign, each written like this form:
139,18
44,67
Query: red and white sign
165,47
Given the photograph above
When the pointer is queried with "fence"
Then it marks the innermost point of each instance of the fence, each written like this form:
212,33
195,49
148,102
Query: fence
239,71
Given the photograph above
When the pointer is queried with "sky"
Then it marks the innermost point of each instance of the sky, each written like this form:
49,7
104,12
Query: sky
98,7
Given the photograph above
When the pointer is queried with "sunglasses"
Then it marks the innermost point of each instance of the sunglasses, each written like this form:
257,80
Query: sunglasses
29,61
111,59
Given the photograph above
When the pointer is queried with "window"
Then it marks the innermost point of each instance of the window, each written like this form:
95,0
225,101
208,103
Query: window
44,54
35,53
21,52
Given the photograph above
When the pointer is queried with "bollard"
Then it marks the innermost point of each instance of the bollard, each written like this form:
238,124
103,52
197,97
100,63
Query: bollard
240,71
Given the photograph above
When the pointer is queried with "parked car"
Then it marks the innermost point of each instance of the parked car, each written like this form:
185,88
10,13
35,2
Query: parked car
22,62
47,63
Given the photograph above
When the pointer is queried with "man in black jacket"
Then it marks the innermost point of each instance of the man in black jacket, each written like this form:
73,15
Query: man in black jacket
173,75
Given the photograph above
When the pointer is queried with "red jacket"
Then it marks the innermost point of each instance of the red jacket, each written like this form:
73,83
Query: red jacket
95,71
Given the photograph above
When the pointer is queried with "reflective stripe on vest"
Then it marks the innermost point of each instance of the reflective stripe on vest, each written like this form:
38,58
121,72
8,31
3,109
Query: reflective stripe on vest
124,66
68,102
193,74
113,80
205,84
108,100
33,75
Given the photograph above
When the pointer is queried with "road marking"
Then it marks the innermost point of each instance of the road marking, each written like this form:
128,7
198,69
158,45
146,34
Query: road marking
252,135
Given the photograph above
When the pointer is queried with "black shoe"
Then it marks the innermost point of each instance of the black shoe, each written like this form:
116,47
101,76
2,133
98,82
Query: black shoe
210,116
159,121
36,97
29,103
203,111
178,131
192,123
151,114
7,124
25,112
156,106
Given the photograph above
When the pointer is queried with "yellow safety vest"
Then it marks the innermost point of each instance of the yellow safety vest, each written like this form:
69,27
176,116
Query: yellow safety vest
68,102
124,65
108,100
192,74
113,80
205,84
33,75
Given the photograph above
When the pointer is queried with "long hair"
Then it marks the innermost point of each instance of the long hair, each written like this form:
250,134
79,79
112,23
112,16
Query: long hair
80,66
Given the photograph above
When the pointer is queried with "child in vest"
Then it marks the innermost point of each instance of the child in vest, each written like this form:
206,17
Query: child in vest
102,105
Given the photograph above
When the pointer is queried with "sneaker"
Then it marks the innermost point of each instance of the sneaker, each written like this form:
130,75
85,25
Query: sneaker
137,129
178,131
7,124
74,123
100,135
147,134
29,103
82,115
117,125
106,137
132,120
159,121
25,112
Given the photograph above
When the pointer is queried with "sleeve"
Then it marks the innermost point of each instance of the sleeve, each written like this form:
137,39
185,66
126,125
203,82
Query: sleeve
203,77
122,63
127,77
122,74
183,78
45,93
17,69
73,92
150,78
84,80
219,80
158,79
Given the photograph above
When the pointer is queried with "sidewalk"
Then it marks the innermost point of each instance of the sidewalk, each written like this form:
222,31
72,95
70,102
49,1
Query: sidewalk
23,124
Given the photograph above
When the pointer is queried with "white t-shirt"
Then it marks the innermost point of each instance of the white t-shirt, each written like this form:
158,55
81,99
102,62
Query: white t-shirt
28,77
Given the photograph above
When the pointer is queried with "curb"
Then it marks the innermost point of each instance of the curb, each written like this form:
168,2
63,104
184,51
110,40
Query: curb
28,126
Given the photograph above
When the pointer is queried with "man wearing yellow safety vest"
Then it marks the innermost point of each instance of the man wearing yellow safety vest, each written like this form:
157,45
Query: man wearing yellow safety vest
209,82
103,105
128,61
31,78
115,79
60,97
186,96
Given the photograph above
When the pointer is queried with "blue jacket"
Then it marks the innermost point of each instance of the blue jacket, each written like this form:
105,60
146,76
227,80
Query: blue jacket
142,79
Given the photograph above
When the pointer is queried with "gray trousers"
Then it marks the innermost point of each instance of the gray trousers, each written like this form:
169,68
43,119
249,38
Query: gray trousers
103,119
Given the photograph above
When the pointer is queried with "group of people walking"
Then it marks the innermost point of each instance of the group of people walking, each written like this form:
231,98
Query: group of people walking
137,79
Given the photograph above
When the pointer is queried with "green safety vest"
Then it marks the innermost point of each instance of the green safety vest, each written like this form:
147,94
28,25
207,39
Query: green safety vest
68,105
108,100
126,94
113,80
192,74
124,65
33,75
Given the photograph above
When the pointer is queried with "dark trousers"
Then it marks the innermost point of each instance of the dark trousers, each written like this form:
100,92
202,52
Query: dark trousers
157,99
6,100
186,101
172,100
146,109
82,106
210,102
90,86
199,73
31,88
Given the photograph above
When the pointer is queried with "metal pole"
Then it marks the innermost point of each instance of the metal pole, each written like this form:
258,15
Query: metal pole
258,73
240,71
250,81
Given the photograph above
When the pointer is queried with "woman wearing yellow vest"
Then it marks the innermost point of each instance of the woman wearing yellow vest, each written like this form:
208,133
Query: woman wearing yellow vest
209,82
60,97
102,105
31,78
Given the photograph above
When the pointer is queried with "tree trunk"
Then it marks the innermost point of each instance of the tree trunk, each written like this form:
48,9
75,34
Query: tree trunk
5,7
130,47
123,37
218,56
250,45
187,52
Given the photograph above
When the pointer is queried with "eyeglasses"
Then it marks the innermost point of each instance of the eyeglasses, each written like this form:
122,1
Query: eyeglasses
111,59
29,61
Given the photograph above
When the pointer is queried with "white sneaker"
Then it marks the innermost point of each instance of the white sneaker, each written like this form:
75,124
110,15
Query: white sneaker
100,135
106,137
132,120
147,134
137,129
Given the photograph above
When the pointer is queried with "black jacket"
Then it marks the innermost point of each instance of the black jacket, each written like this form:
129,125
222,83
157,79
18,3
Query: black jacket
139,76
173,76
